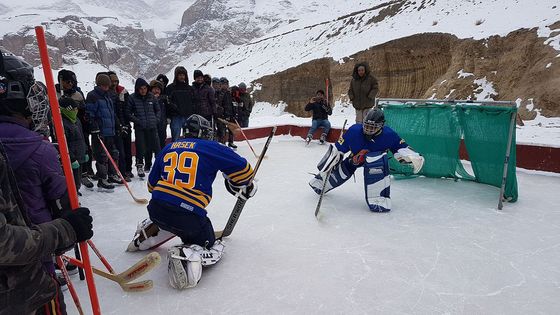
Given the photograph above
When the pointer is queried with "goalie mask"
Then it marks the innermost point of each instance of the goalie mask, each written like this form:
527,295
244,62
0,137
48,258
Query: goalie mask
197,126
373,123
20,93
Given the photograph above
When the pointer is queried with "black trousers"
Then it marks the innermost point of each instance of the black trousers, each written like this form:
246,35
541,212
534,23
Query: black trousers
104,167
147,141
127,148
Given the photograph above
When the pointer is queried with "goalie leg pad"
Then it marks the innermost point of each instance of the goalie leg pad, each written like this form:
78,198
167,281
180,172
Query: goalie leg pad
212,255
377,182
184,266
331,158
147,236
340,174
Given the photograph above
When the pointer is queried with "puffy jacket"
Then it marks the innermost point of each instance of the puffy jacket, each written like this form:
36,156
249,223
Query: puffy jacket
180,96
362,91
219,103
321,109
100,112
24,285
143,111
205,99
230,111
36,165
120,101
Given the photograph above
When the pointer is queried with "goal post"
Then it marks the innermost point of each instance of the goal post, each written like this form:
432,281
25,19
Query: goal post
436,128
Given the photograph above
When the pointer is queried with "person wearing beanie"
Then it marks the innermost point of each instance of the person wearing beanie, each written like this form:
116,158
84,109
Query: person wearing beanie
123,139
68,88
164,80
245,105
100,111
181,101
204,96
156,88
143,111
221,127
230,111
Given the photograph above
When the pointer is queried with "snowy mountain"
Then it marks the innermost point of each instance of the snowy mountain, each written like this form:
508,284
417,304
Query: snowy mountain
248,39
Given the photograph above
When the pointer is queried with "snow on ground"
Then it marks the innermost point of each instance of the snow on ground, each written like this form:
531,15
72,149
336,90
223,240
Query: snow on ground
542,130
443,249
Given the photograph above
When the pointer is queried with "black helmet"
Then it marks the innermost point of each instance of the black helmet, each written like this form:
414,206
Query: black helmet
373,123
16,78
197,126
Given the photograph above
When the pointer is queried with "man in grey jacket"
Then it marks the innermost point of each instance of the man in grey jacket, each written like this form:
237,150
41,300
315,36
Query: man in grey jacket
363,90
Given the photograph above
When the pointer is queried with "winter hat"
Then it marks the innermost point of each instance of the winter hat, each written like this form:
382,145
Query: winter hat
242,85
66,75
102,80
179,70
156,83
216,80
224,80
140,83
163,78
198,73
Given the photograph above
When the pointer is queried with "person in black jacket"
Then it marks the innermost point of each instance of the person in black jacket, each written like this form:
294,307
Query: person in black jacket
321,111
230,111
74,137
156,88
181,101
143,111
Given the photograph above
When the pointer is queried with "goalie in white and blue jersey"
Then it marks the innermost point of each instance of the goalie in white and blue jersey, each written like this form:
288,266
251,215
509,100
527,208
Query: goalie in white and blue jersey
181,186
368,144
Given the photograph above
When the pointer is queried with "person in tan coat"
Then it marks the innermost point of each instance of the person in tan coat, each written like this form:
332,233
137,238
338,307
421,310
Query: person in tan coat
363,90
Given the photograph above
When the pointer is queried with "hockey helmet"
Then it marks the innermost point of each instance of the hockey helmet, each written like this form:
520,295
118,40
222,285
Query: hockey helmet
373,123
197,126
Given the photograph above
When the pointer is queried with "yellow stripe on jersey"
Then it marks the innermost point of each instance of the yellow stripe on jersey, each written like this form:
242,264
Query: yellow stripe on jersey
150,187
197,194
247,167
180,195
242,175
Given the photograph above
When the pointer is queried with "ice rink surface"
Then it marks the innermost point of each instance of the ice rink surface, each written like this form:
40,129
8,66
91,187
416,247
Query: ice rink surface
443,249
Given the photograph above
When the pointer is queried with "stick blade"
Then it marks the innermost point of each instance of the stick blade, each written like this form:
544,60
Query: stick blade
142,267
140,286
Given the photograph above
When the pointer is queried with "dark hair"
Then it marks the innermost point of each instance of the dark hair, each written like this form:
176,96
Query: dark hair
320,91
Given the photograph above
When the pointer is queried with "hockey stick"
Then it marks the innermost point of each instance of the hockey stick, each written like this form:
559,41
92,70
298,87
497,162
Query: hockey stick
71,288
232,127
138,200
327,178
236,212
124,278
244,136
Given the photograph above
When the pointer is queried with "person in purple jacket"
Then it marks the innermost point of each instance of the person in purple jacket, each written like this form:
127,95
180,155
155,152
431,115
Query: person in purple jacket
33,160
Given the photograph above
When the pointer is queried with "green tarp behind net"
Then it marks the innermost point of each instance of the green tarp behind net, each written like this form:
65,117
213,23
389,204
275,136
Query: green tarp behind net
436,131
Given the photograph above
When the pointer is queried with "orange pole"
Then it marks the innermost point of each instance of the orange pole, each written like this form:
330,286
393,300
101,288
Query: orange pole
65,158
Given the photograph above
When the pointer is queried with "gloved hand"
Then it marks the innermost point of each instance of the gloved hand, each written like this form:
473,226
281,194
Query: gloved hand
75,165
241,191
86,158
360,157
81,222
95,133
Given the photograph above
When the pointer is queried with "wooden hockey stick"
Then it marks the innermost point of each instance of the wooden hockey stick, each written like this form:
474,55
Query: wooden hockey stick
235,129
138,200
247,140
327,178
124,278
75,298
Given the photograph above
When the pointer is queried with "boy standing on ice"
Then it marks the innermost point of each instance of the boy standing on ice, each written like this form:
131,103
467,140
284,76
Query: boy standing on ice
368,144
181,186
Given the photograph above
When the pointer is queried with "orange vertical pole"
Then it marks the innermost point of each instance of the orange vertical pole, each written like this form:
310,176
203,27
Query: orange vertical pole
65,158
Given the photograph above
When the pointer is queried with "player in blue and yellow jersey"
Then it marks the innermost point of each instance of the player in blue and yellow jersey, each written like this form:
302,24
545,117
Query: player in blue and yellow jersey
368,144
181,186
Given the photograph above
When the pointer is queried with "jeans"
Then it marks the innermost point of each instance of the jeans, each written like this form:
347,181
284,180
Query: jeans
317,123
176,126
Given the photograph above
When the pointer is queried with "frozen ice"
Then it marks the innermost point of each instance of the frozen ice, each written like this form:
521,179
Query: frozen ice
443,249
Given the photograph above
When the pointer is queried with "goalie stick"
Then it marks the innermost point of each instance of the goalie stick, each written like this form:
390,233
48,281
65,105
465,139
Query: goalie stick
240,204
327,178
124,278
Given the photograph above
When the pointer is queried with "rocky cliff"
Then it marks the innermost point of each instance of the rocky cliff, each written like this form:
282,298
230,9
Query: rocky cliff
441,66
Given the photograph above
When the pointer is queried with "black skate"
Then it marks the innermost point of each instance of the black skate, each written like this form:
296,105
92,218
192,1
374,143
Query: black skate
140,171
87,183
104,186
233,146
115,179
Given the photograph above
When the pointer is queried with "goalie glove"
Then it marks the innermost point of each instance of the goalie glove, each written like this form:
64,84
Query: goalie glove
241,191
408,156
